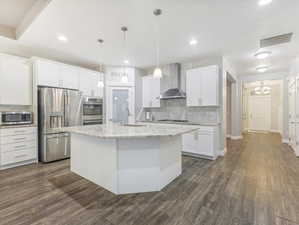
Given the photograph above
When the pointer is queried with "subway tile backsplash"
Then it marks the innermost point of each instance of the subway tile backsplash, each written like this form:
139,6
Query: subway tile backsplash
176,109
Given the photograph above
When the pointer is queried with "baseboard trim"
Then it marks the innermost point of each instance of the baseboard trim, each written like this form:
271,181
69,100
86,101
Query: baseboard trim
223,152
285,141
198,156
275,131
236,137
28,162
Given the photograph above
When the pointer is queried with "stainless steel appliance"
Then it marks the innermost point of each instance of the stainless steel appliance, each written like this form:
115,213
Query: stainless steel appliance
174,91
15,118
92,111
57,108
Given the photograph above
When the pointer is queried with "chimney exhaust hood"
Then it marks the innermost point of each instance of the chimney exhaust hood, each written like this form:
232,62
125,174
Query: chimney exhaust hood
174,92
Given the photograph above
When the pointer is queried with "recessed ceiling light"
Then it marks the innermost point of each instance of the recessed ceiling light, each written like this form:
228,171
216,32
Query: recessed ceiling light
62,38
126,61
264,2
262,69
193,42
263,55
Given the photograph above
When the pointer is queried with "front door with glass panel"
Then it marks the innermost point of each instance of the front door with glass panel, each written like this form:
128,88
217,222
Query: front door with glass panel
121,105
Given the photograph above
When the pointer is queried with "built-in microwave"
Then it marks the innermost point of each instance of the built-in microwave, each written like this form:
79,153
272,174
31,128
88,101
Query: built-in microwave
92,111
15,118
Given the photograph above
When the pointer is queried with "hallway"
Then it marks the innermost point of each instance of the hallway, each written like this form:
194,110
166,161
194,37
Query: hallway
257,182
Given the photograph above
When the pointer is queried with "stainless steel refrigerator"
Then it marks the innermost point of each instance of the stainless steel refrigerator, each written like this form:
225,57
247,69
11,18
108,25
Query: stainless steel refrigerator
57,108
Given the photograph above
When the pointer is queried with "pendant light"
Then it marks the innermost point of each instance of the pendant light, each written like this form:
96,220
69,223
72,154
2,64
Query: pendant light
124,77
262,89
157,72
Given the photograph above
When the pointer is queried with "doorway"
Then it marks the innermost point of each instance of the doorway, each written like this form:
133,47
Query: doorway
121,105
263,106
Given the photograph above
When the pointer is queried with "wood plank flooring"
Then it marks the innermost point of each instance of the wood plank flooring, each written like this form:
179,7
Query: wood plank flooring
256,183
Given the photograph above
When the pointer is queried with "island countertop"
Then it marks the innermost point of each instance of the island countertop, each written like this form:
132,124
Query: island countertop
139,130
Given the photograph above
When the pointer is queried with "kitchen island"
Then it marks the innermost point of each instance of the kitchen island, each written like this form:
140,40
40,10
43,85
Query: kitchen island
130,158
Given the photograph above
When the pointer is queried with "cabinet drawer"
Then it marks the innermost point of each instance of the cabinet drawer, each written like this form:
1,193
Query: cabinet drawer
18,146
17,131
18,156
17,139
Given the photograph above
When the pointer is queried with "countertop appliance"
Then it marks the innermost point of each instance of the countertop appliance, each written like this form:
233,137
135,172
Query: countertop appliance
57,108
15,118
92,111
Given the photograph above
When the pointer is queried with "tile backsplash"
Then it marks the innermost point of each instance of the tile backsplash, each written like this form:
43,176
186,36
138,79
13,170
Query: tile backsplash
176,109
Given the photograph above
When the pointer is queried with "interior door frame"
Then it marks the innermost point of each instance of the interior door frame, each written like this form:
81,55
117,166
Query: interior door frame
250,99
109,108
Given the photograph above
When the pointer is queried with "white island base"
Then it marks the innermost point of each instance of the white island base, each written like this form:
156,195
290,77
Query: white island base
127,165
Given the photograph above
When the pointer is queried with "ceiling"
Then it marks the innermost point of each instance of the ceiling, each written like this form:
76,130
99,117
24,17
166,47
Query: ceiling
12,12
231,28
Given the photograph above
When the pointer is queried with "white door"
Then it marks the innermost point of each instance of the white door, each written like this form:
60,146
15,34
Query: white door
259,113
121,105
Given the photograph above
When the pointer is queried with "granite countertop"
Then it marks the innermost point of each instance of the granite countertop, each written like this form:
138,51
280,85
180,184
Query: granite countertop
17,126
132,131
211,124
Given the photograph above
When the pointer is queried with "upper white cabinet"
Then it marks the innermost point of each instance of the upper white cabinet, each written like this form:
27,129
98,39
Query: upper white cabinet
91,83
15,81
69,77
54,74
150,92
48,73
202,86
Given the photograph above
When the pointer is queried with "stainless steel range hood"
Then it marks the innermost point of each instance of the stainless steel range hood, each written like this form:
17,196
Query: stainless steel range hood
174,92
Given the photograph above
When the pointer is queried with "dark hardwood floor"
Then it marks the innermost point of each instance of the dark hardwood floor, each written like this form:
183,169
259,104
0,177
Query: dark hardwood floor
257,182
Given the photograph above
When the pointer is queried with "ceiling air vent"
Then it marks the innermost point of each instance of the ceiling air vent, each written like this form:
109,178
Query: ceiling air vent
276,40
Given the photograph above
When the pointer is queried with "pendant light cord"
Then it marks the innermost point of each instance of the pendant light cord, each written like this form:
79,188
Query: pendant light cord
157,43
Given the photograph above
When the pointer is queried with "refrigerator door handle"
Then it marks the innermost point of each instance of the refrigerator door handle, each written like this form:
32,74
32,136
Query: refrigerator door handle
66,109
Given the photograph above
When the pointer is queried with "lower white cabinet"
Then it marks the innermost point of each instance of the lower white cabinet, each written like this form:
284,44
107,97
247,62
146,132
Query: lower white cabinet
18,146
201,143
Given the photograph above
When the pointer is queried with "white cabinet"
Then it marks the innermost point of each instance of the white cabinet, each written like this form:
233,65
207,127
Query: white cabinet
201,143
18,146
150,92
15,81
48,74
69,76
54,74
202,86
91,83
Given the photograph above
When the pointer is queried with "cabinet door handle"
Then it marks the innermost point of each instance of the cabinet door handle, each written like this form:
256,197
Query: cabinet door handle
20,131
20,146
18,139
20,156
